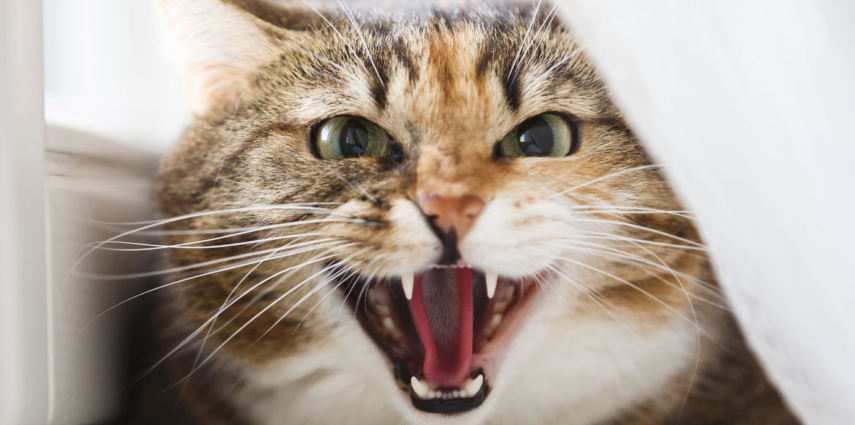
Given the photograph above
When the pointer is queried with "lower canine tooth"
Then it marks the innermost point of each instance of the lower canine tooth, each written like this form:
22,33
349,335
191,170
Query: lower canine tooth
407,282
472,386
492,281
419,387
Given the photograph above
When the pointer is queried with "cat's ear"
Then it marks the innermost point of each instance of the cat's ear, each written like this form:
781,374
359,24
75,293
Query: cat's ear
219,44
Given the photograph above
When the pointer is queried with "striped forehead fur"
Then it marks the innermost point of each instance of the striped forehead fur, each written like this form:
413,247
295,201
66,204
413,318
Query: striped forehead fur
527,49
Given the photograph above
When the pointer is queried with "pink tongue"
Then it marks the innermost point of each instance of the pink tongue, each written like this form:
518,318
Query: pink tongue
442,312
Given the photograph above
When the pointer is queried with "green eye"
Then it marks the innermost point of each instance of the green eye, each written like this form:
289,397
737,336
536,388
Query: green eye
351,137
543,135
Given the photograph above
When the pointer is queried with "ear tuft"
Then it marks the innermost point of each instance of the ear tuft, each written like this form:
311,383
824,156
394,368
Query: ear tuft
219,46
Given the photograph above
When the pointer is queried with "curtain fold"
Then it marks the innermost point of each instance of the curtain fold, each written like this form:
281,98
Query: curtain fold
749,106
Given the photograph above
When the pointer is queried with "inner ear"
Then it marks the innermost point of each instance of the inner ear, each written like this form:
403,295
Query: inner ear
221,43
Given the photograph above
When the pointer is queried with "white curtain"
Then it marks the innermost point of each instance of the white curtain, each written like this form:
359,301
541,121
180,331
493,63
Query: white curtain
750,105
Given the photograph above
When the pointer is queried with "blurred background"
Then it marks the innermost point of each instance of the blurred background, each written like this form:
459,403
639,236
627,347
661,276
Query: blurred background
108,72
113,105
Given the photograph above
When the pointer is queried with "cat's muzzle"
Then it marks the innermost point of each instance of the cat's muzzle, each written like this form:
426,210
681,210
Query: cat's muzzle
444,330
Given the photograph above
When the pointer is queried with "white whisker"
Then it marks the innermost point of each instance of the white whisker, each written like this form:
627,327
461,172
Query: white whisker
191,232
335,277
293,307
202,264
336,31
158,223
661,267
251,320
525,38
627,209
608,176
199,244
176,282
593,296
629,239
637,227
668,307
362,39
357,188
199,329
275,285
222,306
245,208
614,252
547,20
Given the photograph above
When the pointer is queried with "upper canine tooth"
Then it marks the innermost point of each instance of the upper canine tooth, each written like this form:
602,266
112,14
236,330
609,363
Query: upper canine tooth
472,386
407,282
419,387
492,281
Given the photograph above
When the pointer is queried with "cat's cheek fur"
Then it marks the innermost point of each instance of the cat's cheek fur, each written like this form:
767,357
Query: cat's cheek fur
519,236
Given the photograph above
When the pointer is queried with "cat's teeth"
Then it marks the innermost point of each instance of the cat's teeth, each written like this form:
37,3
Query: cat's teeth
492,282
407,282
472,386
419,387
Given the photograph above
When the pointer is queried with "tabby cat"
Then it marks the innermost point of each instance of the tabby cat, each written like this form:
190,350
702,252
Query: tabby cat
407,214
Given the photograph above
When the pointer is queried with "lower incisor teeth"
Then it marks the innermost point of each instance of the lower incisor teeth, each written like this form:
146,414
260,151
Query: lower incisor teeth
470,388
492,279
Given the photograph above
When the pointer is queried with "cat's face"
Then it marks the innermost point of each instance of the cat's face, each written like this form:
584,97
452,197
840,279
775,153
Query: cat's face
426,203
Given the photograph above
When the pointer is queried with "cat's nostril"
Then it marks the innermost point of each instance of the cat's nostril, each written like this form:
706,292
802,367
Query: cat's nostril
448,213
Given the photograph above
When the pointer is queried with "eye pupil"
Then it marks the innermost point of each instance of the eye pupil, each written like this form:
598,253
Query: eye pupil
354,139
351,137
545,135
536,137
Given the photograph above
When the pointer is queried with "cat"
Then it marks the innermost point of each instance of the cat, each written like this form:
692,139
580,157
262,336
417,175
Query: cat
425,214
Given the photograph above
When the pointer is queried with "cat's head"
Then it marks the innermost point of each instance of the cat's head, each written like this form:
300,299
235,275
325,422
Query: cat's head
422,198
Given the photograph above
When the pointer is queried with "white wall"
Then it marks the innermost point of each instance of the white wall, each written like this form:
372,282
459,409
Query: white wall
106,72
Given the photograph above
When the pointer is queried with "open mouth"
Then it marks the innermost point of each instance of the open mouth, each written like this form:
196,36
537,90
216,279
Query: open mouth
443,329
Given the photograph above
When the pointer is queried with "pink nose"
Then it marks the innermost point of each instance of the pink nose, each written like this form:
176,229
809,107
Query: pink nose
451,212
